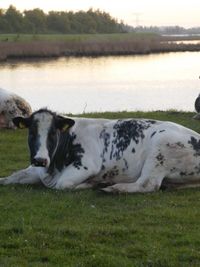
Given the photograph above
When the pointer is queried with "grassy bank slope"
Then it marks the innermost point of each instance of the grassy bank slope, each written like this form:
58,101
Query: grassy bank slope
43,227
22,45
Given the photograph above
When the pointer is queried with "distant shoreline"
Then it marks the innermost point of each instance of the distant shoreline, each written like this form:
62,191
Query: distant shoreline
20,46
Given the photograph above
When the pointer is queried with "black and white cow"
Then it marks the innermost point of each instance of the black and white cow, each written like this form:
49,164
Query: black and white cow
121,155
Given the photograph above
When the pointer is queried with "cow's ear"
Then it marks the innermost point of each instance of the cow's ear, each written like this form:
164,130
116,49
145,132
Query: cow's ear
21,122
63,124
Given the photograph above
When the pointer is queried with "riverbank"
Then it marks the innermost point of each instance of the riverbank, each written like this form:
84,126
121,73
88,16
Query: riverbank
41,46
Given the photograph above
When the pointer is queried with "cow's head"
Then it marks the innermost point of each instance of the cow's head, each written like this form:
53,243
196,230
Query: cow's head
45,128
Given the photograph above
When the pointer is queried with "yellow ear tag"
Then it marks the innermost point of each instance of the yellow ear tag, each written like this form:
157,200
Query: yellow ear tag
65,127
21,125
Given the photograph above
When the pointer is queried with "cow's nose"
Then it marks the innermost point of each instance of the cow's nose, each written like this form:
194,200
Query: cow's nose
40,162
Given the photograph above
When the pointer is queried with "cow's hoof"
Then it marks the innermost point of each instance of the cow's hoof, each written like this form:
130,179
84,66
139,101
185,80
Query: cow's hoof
111,189
106,189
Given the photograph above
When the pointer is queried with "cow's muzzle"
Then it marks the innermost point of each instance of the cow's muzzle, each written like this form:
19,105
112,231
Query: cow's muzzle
40,162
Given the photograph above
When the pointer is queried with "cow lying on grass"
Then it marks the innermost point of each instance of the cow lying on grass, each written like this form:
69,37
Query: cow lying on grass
121,155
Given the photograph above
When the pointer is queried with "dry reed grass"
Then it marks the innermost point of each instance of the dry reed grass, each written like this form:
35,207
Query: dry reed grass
90,47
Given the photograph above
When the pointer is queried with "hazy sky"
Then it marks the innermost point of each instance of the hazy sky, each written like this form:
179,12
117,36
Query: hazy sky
184,13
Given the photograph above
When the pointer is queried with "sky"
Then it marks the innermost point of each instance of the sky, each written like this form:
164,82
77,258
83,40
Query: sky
185,13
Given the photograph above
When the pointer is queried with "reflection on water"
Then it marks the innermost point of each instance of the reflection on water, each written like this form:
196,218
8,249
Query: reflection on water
188,42
185,42
74,85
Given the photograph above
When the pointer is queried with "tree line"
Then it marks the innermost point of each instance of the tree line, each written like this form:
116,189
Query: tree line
37,21
166,30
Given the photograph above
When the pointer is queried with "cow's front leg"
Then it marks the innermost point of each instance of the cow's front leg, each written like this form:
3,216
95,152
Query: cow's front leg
72,177
30,175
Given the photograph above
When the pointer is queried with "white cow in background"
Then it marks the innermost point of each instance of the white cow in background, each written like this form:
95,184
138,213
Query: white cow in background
12,105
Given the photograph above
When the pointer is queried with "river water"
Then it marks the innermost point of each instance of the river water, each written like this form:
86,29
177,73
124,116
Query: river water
113,83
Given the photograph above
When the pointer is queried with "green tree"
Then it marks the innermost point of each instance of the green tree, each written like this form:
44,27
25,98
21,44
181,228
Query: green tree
36,20
13,19
85,23
58,22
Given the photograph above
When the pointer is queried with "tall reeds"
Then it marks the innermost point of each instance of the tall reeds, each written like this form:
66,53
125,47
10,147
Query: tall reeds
90,47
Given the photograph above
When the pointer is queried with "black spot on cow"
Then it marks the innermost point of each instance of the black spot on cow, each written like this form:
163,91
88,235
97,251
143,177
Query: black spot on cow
151,121
124,132
175,145
126,166
76,152
109,175
133,150
179,144
68,152
33,140
161,131
153,134
105,136
196,145
103,167
61,156
160,158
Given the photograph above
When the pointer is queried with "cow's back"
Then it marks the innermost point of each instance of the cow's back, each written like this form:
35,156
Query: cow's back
125,145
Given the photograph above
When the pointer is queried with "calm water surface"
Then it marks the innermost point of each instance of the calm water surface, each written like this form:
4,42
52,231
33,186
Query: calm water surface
76,85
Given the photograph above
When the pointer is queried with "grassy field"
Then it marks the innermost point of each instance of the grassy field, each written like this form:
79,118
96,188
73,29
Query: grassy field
86,37
73,37
43,227
56,45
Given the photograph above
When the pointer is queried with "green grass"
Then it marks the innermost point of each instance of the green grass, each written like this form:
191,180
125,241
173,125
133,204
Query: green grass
43,227
73,37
